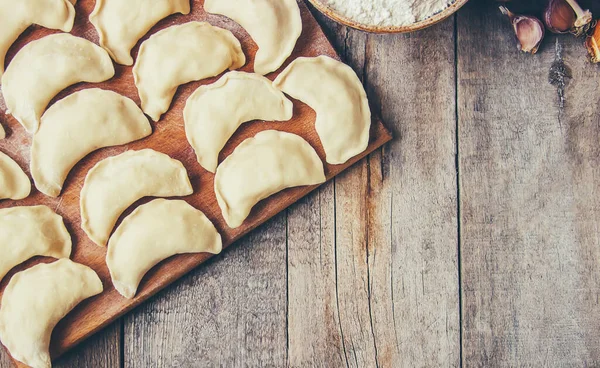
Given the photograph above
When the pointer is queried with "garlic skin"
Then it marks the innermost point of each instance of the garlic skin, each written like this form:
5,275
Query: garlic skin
559,17
529,30
592,43
562,16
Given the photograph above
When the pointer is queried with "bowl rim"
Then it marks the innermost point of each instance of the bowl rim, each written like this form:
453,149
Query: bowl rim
436,18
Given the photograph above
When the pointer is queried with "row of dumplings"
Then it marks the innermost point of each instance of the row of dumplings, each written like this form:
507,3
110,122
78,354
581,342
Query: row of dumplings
275,25
94,118
193,51
328,86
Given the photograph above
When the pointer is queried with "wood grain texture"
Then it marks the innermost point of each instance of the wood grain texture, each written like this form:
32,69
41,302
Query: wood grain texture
314,330
103,350
168,137
414,181
529,168
369,283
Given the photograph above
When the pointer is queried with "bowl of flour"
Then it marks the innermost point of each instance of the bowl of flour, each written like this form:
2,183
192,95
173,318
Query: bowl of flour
388,16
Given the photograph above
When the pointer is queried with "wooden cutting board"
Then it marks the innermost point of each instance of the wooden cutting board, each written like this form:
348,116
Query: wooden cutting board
168,137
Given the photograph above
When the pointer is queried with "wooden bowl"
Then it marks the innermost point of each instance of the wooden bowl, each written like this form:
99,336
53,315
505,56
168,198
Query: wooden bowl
436,18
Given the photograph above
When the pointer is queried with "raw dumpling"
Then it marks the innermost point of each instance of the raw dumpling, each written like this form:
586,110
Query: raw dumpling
121,23
17,16
47,66
26,232
181,54
262,166
78,125
35,300
334,91
14,183
215,111
2,132
153,232
117,182
275,26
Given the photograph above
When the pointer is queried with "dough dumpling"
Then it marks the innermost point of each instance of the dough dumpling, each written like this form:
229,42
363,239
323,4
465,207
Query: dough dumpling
334,91
115,183
17,16
35,300
181,54
26,232
275,26
262,166
215,111
153,232
45,67
121,23
2,132
14,183
78,125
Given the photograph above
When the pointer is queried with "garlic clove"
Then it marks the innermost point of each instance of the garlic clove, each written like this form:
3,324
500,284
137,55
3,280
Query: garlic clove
592,43
562,16
559,16
528,29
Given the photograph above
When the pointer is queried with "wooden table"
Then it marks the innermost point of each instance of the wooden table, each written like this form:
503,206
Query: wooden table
471,239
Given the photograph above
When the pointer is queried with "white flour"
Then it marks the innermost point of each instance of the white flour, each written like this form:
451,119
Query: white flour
388,12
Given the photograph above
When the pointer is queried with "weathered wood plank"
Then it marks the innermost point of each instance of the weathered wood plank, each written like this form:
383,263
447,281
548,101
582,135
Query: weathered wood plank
313,318
412,78
229,313
529,165
103,350
373,278
5,360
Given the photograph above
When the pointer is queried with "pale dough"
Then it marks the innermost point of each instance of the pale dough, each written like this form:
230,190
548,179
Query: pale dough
17,16
121,23
117,182
47,66
2,132
14,183
35,300
78,125
215,111
262,166
275,26
153,232
26,232
181,54
334,91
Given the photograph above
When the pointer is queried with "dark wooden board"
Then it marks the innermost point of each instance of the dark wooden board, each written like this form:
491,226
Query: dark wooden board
168,137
